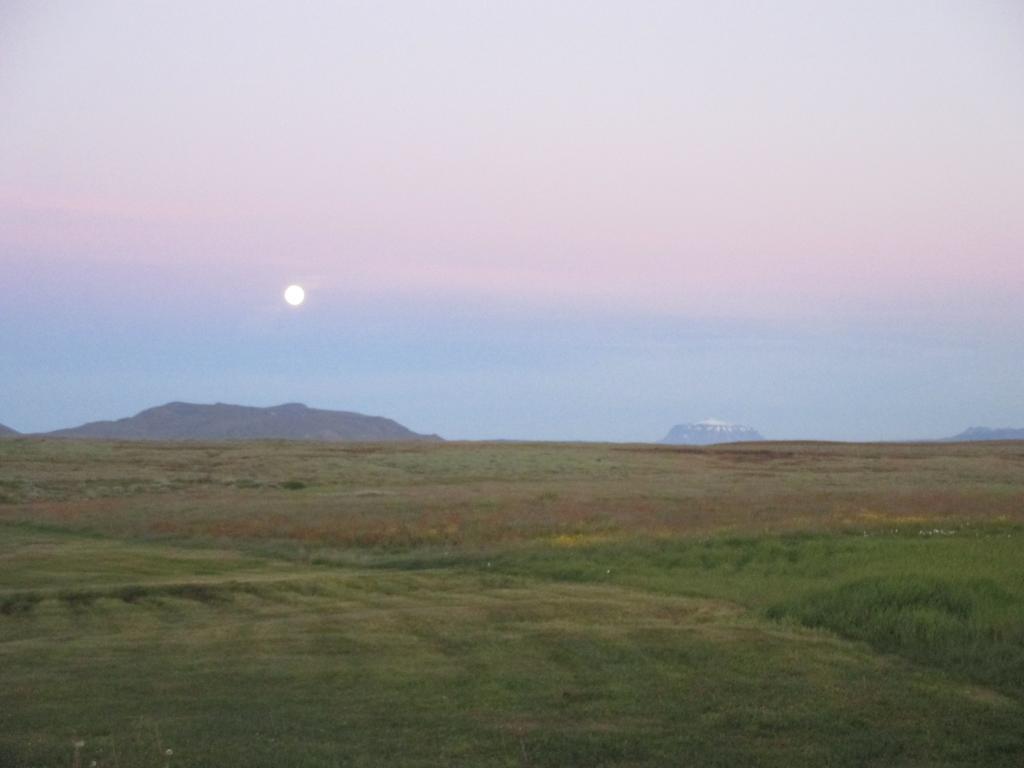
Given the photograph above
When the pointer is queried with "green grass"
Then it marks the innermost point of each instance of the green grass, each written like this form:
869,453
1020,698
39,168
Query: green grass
511,606
972,628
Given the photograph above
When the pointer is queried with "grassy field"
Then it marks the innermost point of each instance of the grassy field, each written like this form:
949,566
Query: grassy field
276,604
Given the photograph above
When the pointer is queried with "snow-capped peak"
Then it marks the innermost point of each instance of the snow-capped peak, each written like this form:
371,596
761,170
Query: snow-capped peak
710,431
715,423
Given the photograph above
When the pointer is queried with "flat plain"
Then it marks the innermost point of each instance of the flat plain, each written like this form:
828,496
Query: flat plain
505,604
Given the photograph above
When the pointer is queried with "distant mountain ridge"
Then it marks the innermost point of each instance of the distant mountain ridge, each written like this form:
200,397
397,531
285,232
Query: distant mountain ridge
710,432
292,421
8,432
977,434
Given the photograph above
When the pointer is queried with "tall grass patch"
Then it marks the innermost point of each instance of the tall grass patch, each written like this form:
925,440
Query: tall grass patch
972,628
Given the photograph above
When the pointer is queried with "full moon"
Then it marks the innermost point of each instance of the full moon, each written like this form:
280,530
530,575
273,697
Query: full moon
294,295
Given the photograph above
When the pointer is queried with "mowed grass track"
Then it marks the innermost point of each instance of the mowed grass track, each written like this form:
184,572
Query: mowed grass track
511,605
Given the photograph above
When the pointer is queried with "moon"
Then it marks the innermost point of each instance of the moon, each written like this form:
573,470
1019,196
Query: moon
295,295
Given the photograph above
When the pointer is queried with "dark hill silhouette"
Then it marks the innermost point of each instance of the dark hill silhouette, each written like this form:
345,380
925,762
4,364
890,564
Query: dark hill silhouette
7,431
293,421
975,434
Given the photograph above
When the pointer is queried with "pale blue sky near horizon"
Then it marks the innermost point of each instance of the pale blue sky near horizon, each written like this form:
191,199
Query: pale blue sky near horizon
468,372
532,220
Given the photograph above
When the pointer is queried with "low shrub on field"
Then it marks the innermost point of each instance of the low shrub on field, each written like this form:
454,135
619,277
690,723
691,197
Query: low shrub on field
975,627
17,605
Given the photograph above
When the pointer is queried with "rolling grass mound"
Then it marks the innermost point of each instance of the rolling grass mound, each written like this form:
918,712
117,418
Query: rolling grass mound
973,628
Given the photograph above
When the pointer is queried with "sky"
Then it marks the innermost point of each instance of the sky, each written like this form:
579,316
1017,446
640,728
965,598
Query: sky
578,220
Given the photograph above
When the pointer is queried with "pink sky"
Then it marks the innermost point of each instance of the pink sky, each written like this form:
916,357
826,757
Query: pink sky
715,186
655,155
